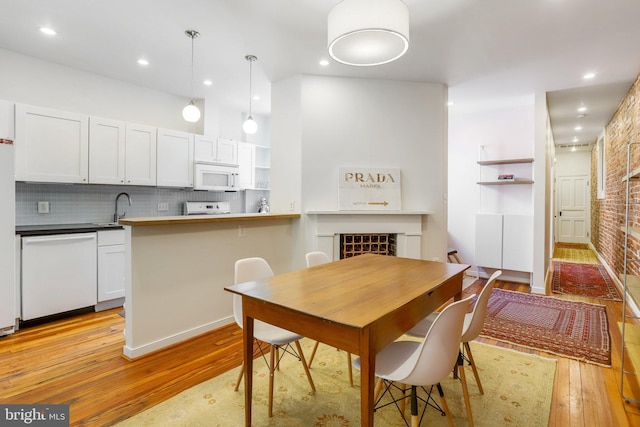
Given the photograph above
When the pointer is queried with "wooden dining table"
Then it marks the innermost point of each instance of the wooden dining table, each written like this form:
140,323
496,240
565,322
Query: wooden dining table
358,304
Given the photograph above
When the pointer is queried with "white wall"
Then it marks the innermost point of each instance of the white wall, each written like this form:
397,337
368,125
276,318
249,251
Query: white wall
573,163
505,133
322,123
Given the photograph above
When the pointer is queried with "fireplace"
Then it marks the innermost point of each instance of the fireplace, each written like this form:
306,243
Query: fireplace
367,243
402,228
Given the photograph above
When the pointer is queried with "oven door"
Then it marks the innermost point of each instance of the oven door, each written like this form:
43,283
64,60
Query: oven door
215,178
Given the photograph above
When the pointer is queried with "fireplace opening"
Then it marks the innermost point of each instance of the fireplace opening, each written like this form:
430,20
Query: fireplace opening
367,243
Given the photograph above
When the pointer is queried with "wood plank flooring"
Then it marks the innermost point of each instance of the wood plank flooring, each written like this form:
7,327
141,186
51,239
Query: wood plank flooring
79,361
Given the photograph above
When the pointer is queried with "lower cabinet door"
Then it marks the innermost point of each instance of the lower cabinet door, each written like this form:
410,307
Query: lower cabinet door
111,262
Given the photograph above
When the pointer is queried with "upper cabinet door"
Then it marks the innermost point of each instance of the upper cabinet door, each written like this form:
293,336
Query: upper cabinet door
246,163
106,151
216,150
174,159
227,151
140,158
51,145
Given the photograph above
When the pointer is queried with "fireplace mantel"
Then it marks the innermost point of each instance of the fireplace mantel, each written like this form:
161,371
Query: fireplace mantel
407,225
369,212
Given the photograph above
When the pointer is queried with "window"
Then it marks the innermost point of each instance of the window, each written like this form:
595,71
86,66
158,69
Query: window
601,167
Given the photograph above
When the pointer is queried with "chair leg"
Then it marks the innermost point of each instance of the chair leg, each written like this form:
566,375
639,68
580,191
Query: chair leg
239,377
415,420
306,368
272,367
350,367
473,366
465,390
313,353
445,407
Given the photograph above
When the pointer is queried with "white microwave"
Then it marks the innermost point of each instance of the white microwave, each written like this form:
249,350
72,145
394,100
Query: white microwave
215,177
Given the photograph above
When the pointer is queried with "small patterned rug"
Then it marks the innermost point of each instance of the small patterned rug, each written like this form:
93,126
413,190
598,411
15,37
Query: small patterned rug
577,330
587,280
517,392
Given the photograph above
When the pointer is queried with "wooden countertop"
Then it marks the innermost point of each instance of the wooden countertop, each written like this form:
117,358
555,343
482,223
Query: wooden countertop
199,219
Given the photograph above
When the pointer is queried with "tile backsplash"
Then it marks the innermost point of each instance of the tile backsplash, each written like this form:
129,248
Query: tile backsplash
74,204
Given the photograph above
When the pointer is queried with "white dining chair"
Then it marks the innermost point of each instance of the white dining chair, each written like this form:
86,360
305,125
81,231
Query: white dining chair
313,259
248,269
422,363
473,323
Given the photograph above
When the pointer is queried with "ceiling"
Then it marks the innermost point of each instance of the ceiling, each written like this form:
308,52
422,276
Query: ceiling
490,53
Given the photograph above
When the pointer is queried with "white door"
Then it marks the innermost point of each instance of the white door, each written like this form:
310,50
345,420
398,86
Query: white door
573,209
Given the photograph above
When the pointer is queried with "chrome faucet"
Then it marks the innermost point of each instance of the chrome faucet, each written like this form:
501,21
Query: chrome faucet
116,217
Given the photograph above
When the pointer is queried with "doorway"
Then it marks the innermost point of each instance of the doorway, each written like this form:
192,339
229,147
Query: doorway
573,209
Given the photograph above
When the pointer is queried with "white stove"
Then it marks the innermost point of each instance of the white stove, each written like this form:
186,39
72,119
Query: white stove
206,208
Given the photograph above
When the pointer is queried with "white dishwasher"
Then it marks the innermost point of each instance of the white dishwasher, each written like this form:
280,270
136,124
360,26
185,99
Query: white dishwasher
59,273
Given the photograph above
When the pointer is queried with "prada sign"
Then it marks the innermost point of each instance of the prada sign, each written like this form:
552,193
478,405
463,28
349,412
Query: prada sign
370,189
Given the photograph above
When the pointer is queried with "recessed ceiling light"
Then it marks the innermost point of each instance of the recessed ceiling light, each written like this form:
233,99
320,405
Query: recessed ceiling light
142,61
573,148
581,116
48,31
256,97
450,103
589,76
207,82
575,139
324,62
582,109
577,128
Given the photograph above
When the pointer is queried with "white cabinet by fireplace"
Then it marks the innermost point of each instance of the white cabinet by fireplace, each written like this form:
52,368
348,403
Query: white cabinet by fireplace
504,241
174,159
51,145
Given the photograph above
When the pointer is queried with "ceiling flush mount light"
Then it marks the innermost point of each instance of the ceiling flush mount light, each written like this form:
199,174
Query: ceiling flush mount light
48,31
368,32
250,126
191,113
589,76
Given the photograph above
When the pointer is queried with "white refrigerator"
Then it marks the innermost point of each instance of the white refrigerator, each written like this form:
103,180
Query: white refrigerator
7,237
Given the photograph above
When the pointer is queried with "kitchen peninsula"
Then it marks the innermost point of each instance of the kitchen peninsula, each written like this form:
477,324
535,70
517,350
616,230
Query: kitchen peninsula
178,268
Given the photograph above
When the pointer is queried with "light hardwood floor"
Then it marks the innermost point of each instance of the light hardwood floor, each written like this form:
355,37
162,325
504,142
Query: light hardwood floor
79,361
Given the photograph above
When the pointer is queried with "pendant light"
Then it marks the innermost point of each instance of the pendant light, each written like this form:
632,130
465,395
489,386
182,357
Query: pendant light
191,113
368,32
250,126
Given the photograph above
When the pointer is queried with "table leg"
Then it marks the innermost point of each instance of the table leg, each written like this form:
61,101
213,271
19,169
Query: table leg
247,337
367,383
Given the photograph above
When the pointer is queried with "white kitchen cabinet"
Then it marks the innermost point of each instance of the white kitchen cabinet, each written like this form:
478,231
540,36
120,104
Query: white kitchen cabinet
106,151
140,154
246,165
174,159
504,241
111,265
216,150
51,145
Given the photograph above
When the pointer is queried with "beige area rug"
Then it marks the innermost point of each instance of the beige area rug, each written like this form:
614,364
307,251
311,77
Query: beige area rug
584,256
517,387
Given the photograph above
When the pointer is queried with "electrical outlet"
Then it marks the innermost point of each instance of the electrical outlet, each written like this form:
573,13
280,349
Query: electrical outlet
163,207
43,207
292,205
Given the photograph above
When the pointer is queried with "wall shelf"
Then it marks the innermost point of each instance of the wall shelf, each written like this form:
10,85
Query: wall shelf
504,162
506,182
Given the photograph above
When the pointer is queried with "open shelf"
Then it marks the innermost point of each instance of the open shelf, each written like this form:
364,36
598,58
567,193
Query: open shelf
517,181
504,162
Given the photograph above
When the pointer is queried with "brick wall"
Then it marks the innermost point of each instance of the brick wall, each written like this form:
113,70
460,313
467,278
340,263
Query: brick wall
608,215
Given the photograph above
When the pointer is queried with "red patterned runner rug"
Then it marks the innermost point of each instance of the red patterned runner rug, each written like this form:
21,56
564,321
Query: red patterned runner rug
589,280
577,330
